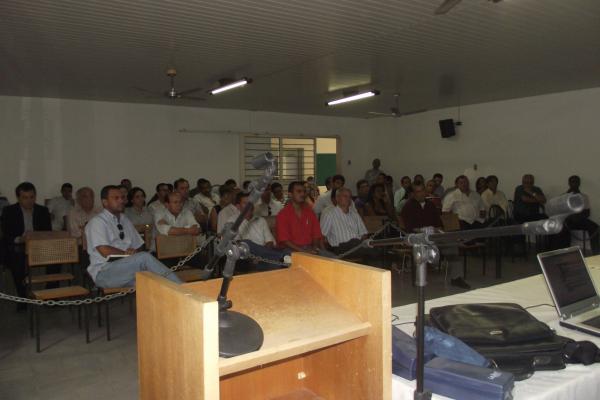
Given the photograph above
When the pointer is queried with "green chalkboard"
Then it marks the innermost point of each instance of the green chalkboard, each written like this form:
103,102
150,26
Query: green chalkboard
326,166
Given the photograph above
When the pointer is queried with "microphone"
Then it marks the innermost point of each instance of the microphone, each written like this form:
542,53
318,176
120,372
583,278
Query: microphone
549,226
567,203
262,161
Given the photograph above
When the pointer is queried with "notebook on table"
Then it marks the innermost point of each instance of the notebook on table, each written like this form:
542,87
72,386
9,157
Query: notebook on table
572,288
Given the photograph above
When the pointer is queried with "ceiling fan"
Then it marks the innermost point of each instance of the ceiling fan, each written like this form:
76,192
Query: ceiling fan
395,110
447,5
172,93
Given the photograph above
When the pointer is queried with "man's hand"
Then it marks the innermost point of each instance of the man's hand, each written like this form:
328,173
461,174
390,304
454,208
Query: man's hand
194,230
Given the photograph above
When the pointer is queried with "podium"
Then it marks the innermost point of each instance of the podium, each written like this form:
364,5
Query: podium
327,335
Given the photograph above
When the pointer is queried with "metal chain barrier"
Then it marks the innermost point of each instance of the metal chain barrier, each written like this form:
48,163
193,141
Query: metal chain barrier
267,261
98,299
362,244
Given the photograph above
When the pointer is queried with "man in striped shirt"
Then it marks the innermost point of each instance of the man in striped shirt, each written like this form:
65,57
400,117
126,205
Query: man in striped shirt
343,227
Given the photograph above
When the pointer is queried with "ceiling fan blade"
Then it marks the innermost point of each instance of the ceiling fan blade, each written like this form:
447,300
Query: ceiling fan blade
192,98
412,112
147,91
446,6
188,91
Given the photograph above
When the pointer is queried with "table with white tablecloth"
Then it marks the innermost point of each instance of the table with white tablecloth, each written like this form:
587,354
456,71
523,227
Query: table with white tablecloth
574,382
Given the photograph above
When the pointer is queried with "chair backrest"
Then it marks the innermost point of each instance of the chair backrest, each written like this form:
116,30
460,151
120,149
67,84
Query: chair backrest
374,223
52,251
450,222
40,235
174,246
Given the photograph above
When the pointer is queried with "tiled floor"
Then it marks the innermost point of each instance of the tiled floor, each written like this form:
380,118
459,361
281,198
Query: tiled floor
68,368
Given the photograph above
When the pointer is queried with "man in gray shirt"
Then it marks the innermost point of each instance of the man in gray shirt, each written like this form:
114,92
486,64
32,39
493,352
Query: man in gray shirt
111,233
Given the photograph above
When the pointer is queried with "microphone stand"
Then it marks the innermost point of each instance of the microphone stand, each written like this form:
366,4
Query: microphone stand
238,333
425,251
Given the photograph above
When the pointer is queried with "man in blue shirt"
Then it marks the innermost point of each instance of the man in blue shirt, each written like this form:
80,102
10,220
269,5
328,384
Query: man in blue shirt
111,233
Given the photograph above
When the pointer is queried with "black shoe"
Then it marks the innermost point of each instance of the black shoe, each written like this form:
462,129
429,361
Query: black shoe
460,282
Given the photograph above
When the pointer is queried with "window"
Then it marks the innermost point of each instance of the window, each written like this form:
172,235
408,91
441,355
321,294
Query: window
296,156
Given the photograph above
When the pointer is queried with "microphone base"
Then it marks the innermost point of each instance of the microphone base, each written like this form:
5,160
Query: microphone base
238,334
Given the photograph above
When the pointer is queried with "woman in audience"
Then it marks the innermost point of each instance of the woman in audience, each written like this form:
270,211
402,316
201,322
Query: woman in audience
137,211
226,194
379,204
481,185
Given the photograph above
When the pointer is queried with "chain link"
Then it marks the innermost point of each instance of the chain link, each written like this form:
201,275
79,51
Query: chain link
266,260
362,244
98,299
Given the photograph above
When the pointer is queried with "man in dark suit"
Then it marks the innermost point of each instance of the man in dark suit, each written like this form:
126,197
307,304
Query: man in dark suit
17,220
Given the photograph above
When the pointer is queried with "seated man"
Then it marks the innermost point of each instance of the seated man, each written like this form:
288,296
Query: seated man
297,225
17,221
466,204
278,196
158,205
175,220
402,194
255,232
182,186
111,233
494,197
580,221
60,206
529,200
417,213
344,228
267,206
324,200
438,190
430,190
83,211
204,196
362,196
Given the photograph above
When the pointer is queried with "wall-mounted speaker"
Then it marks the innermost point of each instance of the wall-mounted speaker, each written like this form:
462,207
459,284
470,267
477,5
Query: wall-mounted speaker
447,128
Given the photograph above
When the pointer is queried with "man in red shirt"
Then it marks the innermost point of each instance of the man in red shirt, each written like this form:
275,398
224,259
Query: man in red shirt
297,225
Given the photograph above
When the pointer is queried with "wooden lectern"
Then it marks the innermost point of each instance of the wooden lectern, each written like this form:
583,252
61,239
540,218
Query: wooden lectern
327,328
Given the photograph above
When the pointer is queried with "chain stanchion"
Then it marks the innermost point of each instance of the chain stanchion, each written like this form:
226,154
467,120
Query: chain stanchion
98,299
364,242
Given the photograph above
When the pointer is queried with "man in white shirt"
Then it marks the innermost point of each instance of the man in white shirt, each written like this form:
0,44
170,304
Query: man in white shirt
83,211
267,206
343,227
255,232
111,233
466,204
205,197
175,220
182,186
60,206
324,200
278,195
494,197
158,206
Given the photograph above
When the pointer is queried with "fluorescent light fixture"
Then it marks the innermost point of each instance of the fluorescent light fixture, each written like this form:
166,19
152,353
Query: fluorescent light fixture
353,97
232,85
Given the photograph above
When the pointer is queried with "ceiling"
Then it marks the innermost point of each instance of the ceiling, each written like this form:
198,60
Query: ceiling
300,52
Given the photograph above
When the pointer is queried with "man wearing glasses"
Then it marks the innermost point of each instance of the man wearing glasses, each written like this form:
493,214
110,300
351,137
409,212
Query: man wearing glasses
116,248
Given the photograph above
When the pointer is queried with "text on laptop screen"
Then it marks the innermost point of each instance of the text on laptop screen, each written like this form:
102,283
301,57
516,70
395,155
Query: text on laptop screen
568,277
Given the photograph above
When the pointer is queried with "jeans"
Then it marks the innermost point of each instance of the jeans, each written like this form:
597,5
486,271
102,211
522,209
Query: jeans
121,273
268,253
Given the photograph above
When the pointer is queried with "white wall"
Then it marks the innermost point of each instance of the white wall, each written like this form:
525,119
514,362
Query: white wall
551,136
50,141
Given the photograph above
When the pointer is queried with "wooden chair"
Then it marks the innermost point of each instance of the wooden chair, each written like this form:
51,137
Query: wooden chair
147,234
44,252
450,222
169,247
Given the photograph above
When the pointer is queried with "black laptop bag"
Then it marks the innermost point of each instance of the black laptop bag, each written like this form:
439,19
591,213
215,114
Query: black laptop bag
505,333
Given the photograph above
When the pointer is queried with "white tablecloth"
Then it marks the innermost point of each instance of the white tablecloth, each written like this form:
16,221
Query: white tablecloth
574,382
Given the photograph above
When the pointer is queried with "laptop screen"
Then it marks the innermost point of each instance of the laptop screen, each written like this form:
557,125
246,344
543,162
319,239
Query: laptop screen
568,277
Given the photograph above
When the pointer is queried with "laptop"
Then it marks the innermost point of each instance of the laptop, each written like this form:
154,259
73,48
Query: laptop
572,289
